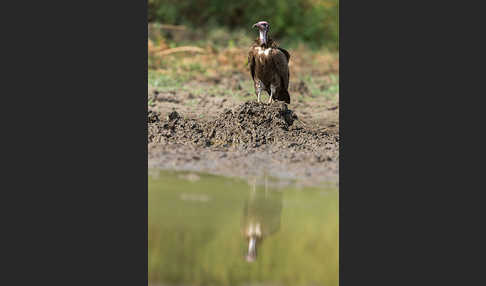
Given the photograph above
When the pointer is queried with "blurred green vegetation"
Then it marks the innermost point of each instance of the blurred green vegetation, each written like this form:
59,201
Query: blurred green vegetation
195,234
314,22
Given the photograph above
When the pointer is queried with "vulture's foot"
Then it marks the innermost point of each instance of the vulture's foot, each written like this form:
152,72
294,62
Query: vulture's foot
270,100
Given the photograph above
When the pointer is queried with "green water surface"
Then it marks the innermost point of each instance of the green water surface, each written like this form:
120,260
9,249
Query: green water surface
197,232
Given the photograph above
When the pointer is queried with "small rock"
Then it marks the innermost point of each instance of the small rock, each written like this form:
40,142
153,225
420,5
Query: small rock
173,115
153,117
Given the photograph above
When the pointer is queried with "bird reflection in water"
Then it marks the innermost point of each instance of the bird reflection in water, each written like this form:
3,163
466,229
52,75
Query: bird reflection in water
261,216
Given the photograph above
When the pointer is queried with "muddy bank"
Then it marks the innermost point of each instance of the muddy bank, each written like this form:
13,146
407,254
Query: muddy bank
248,139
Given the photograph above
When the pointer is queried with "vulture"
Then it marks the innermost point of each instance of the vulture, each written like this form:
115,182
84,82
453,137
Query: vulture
269,66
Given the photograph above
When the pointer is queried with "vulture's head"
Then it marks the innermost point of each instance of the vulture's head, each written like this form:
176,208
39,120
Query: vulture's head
263,27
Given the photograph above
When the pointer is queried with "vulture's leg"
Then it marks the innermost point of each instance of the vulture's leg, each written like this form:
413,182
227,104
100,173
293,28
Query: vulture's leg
272,92
259,88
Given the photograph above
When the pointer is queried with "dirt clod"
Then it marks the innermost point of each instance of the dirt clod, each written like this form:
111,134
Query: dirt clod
173,115
152,117
300,87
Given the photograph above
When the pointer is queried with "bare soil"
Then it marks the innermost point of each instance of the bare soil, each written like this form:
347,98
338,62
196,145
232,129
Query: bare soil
240,137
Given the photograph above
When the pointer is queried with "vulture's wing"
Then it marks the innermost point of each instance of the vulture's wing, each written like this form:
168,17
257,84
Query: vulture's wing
281,66
251,62
285,53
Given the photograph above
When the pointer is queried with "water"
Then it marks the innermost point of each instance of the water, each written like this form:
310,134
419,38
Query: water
201,228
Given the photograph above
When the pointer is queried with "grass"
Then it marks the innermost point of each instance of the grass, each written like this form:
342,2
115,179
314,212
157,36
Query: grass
322,88
225,56
163,81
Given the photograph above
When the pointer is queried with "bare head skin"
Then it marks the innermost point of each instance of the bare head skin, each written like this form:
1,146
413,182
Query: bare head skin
263,28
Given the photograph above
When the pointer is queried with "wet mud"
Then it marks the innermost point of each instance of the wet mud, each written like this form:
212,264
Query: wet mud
246,139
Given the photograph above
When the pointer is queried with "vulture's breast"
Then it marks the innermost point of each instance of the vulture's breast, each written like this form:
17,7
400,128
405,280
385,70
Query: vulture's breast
264,68
262,51
263,54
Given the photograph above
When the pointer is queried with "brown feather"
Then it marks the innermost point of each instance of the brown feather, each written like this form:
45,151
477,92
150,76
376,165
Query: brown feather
270,69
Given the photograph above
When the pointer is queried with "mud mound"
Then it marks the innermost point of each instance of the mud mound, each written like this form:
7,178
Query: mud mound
252,124
258,116
249,125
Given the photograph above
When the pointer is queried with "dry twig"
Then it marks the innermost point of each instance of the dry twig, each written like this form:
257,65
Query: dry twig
169,27
179,50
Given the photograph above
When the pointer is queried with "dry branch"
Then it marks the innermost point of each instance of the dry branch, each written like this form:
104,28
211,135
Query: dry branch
179,50
169,27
